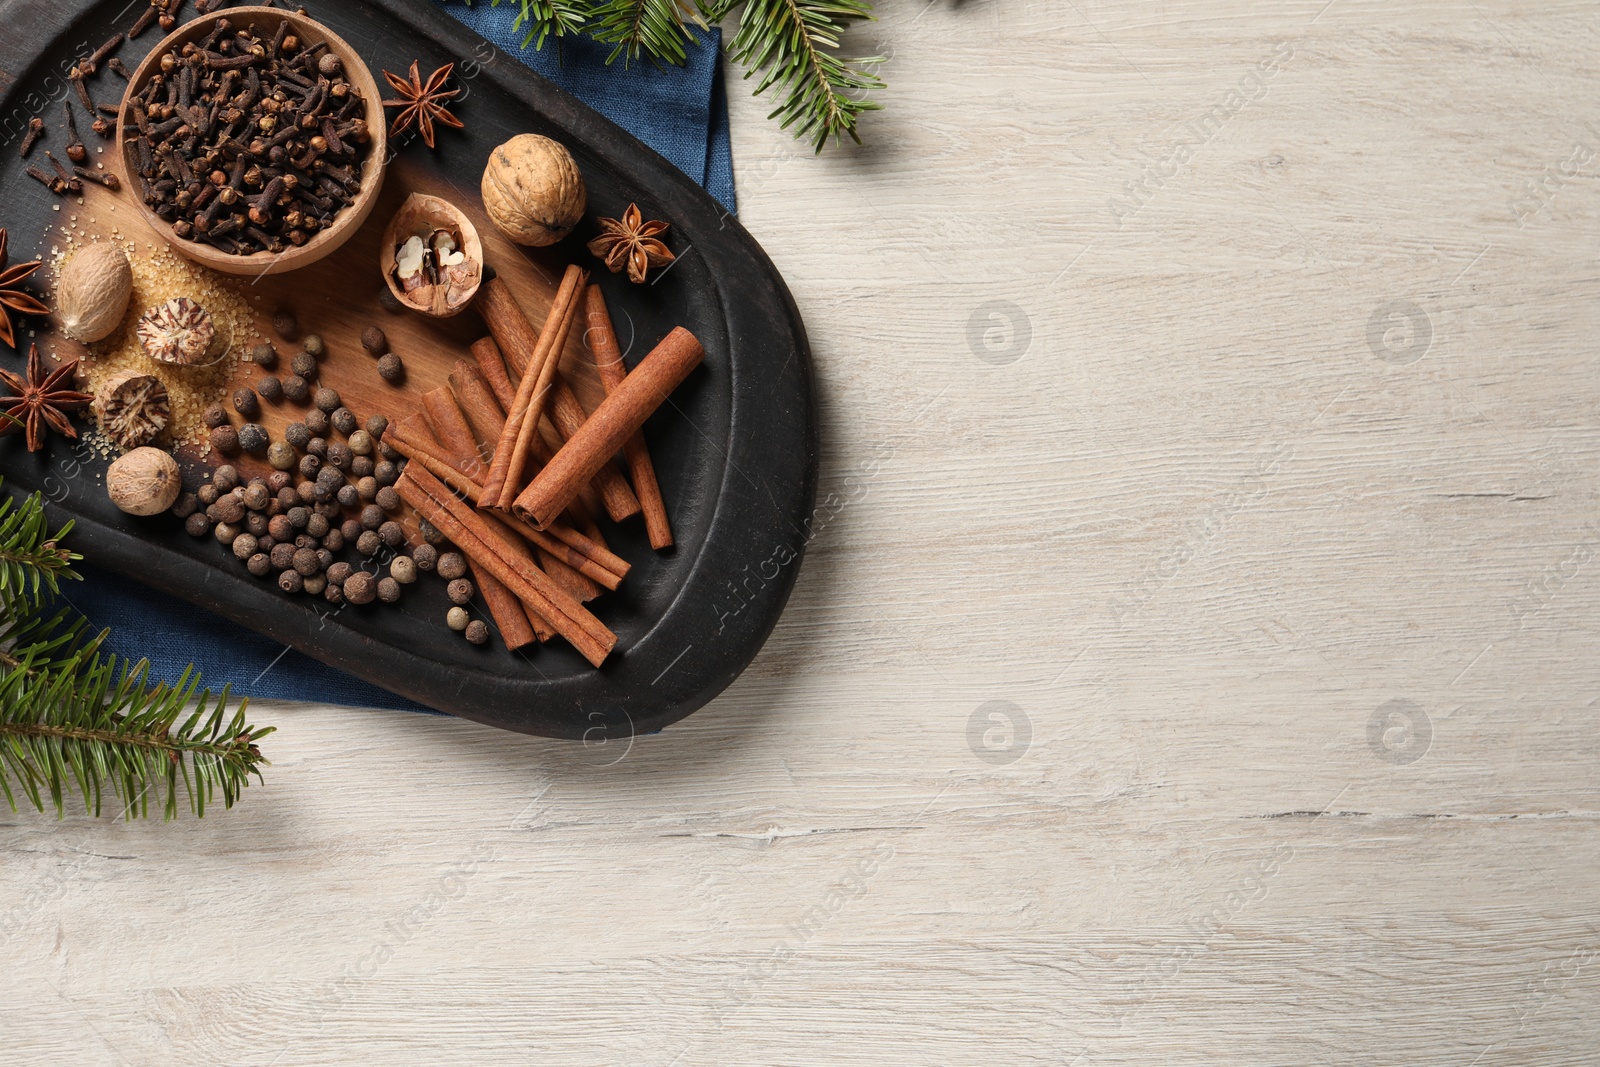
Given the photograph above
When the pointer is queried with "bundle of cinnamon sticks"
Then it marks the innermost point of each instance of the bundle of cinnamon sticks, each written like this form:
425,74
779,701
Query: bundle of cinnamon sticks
507,463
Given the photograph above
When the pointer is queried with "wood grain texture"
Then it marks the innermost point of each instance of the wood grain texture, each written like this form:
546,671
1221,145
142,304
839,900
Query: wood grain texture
1311,431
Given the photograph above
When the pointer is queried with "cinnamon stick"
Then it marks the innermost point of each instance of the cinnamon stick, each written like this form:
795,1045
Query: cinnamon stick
592,560
522,421
510,618
478,403
452,431
493,366
567,413
618,417
515,569
582,589
602,340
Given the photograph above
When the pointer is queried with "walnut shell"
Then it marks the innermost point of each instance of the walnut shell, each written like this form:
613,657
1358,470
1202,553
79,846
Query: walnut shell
145,481
423,216
93,292
132,408
532,190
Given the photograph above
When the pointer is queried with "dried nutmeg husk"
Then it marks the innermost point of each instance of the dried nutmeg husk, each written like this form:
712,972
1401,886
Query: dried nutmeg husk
132,408
432,259
179,331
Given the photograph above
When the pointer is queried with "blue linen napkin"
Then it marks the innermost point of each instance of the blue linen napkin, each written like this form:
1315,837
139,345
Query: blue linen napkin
681,112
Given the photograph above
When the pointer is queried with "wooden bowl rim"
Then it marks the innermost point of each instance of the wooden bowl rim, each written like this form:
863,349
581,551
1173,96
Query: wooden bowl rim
351,219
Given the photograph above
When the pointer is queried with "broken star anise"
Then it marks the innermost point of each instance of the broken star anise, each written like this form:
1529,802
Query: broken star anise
633,243
13,297
422,102
41,400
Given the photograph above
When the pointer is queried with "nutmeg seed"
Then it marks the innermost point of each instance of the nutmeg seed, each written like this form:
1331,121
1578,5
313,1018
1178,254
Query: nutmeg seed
145,481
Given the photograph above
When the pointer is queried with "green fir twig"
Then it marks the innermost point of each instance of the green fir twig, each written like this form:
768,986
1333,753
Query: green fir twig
77,719
793,44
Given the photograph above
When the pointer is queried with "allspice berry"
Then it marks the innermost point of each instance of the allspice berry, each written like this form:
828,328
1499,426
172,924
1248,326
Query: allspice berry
391,370
339,572
296,389
388,498
285,324
360,588
291,581
225,440
264,356
368,544
376,425
343,420
457,619
326,399
477,632
317,422
314,345
216,415
460,591
388,590
187,504
392,534
259,564
374,341
197,525
225,478
144,481
253,438
304,365
246,403
361,442
452,566
270,388
296,434
386,472
403,569
281,455
425,556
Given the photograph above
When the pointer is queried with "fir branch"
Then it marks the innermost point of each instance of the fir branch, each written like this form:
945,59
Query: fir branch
656,28
31,559
795,42
551,18
74,716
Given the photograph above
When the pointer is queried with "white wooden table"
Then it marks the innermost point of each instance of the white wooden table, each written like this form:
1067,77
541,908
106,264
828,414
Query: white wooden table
1198,661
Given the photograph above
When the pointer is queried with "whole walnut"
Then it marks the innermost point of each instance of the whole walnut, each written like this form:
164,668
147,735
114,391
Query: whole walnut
532,190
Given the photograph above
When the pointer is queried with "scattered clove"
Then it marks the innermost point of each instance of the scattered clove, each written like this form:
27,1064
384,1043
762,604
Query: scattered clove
117,67
99,55
99,177
31,138
75,150
73,185
54,184
145,20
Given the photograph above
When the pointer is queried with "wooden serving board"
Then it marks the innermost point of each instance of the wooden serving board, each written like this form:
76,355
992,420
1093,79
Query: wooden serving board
734,449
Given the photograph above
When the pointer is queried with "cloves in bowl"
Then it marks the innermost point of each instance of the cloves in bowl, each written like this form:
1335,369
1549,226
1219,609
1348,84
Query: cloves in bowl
431,256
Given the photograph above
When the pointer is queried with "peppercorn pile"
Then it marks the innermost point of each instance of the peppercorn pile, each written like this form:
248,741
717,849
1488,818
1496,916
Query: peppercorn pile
331,490
249,143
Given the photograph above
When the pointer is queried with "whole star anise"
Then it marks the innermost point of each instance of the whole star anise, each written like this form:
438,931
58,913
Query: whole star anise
13,297
633,243
422,102
41,400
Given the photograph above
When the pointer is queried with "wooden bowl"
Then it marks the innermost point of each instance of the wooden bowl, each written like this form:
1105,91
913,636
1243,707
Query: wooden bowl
345,224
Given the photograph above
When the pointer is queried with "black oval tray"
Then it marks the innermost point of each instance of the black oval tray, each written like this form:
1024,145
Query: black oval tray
735,449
